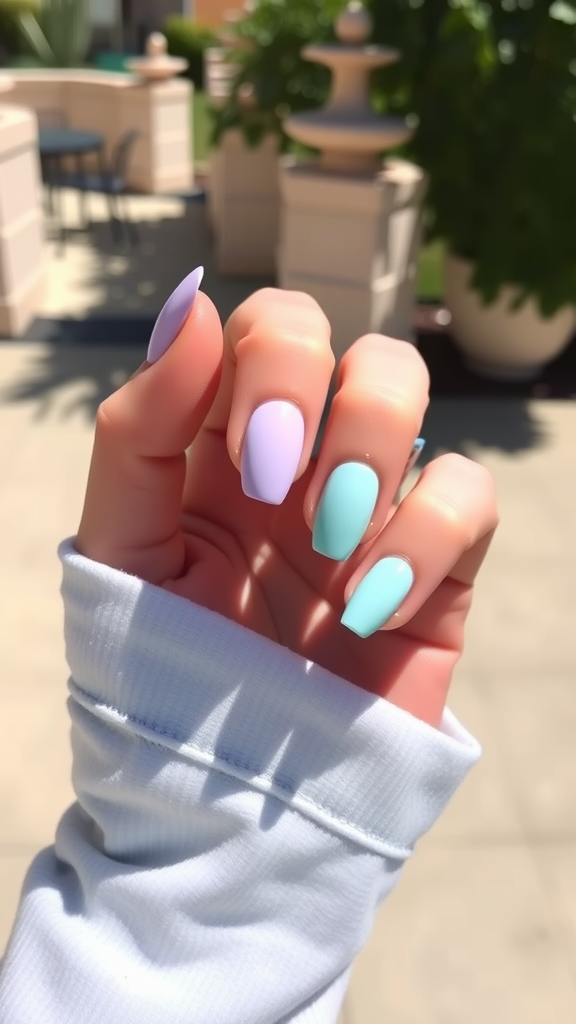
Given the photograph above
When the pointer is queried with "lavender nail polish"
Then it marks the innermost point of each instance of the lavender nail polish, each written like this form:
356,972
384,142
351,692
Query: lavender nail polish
173,314
271,451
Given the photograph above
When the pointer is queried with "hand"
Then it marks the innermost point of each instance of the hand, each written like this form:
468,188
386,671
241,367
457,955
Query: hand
183,522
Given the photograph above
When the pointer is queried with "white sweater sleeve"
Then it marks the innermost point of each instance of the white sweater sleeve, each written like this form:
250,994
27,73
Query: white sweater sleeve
241,812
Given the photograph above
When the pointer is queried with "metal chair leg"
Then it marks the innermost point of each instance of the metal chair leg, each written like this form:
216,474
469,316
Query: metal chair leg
83,205
131,229
113,218
60,220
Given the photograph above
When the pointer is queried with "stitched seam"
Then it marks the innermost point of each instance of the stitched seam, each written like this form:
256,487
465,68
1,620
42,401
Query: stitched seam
224,759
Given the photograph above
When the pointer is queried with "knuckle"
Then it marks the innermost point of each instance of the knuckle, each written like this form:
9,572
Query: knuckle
444,508
105,416
477,478
112,419
447,517
391,371
402,352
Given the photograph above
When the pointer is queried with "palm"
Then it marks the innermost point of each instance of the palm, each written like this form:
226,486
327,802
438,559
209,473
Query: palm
254,563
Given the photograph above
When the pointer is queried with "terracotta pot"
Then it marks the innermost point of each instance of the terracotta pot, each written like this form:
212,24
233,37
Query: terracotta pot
496,341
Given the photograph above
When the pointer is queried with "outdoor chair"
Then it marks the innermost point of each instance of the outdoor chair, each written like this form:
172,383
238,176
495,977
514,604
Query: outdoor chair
109,181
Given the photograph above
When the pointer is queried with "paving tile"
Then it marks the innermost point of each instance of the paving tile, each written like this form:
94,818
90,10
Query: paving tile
484,809
91,275
557,864
523,616
534,722
34,739
469,937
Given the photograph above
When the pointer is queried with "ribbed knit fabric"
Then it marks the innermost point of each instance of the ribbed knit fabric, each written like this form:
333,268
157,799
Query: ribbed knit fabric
241,813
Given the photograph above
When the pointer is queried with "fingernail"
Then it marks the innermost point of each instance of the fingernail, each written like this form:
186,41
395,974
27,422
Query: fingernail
414,455
173,314
378,596
271,451
345,510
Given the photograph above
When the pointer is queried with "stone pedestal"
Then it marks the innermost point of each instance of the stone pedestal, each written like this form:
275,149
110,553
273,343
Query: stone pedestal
244,200
352,243
22,265
162,160
350,225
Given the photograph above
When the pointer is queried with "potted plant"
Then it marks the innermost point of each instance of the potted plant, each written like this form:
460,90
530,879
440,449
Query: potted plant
271,80
493,85
59,34
268,53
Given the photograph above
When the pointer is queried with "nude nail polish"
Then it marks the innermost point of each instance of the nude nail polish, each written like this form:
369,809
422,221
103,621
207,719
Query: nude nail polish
271,451
173,314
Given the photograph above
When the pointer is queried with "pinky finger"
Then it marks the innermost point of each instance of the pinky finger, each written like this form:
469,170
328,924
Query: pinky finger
441,529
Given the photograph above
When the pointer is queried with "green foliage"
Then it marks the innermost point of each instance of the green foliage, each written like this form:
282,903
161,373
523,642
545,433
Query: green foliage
59,34
188,39
491,85
201,126
10,34
270,40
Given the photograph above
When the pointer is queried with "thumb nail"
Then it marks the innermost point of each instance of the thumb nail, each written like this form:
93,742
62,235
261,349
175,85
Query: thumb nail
173,314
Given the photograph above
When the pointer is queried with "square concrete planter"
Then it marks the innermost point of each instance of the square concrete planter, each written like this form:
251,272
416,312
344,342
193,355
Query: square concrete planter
244,205
352,243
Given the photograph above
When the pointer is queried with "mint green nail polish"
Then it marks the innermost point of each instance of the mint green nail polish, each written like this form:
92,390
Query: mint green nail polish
345,509
378,596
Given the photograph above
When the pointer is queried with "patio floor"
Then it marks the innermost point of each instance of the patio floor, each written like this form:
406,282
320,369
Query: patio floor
483,926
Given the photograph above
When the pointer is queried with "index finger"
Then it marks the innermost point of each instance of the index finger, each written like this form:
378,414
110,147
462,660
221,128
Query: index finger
133,506
276,372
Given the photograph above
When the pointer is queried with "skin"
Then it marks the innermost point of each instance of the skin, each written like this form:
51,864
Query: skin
164,500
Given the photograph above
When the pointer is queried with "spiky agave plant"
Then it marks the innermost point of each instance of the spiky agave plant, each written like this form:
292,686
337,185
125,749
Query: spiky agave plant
60,33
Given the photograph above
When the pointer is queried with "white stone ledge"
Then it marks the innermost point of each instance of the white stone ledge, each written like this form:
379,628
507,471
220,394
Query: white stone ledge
112,104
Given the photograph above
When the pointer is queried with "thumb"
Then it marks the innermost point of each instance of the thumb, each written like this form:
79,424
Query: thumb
133,506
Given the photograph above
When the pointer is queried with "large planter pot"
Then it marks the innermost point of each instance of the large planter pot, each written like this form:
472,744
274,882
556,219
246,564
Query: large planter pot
496,341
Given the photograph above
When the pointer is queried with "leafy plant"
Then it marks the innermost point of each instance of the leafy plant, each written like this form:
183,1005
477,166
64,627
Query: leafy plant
188,39
60,33
269,44
494,88
491,85
10,34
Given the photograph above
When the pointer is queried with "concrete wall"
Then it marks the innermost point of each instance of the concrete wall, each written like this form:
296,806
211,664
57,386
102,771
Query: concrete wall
21,222
114,103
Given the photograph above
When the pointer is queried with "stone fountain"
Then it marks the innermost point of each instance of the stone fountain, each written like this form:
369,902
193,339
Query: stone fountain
350,224
156,65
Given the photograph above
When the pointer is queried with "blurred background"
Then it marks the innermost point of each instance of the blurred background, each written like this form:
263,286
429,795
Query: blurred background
411,164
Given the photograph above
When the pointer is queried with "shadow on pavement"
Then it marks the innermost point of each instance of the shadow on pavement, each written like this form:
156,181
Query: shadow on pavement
92,372
460,424
114,296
